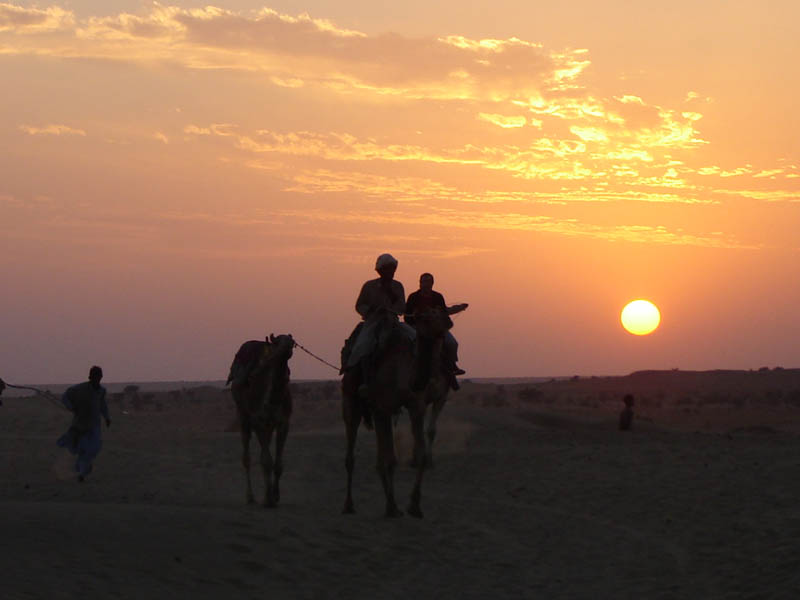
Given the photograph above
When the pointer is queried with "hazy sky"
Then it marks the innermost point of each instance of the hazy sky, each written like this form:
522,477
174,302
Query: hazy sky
177,178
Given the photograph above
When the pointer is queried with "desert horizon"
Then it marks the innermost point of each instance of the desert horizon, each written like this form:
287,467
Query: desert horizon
171,385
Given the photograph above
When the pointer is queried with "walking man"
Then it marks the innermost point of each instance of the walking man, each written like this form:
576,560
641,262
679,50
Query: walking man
87,402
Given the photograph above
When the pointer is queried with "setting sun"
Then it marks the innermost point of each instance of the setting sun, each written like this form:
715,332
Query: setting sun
640,317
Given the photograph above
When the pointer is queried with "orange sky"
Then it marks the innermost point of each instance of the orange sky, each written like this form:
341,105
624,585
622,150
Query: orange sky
177,178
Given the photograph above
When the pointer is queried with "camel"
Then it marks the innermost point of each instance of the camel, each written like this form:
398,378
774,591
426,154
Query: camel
405,376
259,378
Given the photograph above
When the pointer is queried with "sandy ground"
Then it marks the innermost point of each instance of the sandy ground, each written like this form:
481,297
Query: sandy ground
524,501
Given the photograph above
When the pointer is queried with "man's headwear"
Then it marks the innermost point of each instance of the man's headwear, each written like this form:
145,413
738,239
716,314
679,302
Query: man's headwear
385,260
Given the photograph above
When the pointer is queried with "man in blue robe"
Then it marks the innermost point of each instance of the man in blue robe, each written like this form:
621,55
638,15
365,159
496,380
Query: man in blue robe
87,402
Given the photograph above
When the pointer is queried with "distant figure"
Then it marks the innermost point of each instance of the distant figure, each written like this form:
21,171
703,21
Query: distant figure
424,299
626,416
87,402
2,387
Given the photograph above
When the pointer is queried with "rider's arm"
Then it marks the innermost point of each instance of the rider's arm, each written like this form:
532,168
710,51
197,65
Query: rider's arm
363,306
398,305
411,306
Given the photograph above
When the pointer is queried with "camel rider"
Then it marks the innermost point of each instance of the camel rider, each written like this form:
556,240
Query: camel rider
380,302
425,298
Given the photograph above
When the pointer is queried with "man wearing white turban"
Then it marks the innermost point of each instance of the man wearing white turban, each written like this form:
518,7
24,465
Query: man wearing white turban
380,303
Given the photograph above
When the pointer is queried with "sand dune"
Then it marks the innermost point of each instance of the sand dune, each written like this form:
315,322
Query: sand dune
527,499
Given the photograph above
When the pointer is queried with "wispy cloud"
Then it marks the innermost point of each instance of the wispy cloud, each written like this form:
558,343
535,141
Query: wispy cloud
52,130
535,223
427,192
506,122
22,20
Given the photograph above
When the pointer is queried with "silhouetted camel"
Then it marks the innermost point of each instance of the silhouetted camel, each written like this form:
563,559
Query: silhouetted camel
402,375
259,379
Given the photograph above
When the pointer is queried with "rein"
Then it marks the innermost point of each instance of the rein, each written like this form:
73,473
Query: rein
47,394
311,354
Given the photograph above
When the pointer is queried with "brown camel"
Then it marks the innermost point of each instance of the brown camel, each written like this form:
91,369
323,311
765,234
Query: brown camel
403,375
259,380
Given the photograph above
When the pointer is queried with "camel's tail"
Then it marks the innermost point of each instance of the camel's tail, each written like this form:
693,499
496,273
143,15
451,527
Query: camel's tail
231,373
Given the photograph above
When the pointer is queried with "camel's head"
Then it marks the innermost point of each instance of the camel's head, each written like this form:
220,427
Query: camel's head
432,323
280,346
278,349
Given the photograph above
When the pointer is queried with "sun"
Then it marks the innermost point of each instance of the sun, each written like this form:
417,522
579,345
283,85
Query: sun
640,317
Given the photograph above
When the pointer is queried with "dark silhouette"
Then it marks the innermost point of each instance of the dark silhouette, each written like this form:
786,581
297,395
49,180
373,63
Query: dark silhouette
2,387
87,402
626,416
259,378
424,298
380,303
406,375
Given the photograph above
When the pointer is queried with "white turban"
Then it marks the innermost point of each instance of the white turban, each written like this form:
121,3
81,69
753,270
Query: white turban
385,260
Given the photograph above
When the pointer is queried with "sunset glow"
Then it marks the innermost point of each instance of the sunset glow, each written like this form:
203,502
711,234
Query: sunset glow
179,177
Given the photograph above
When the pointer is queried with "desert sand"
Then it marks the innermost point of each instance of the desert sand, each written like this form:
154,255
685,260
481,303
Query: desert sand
534,493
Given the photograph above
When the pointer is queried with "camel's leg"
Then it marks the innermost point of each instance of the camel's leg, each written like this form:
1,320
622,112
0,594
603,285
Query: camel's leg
280,442
351,415
417,429
430,432
267,465
246,433
351,428
386,461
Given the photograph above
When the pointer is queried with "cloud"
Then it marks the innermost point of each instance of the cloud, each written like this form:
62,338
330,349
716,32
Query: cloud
495,76
502,120
552,139
765,195
52,130
301,50
768,173
589,134
34,20
510,221
427,192
594,155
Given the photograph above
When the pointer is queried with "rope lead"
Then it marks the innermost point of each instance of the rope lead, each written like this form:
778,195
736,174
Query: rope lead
322,360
